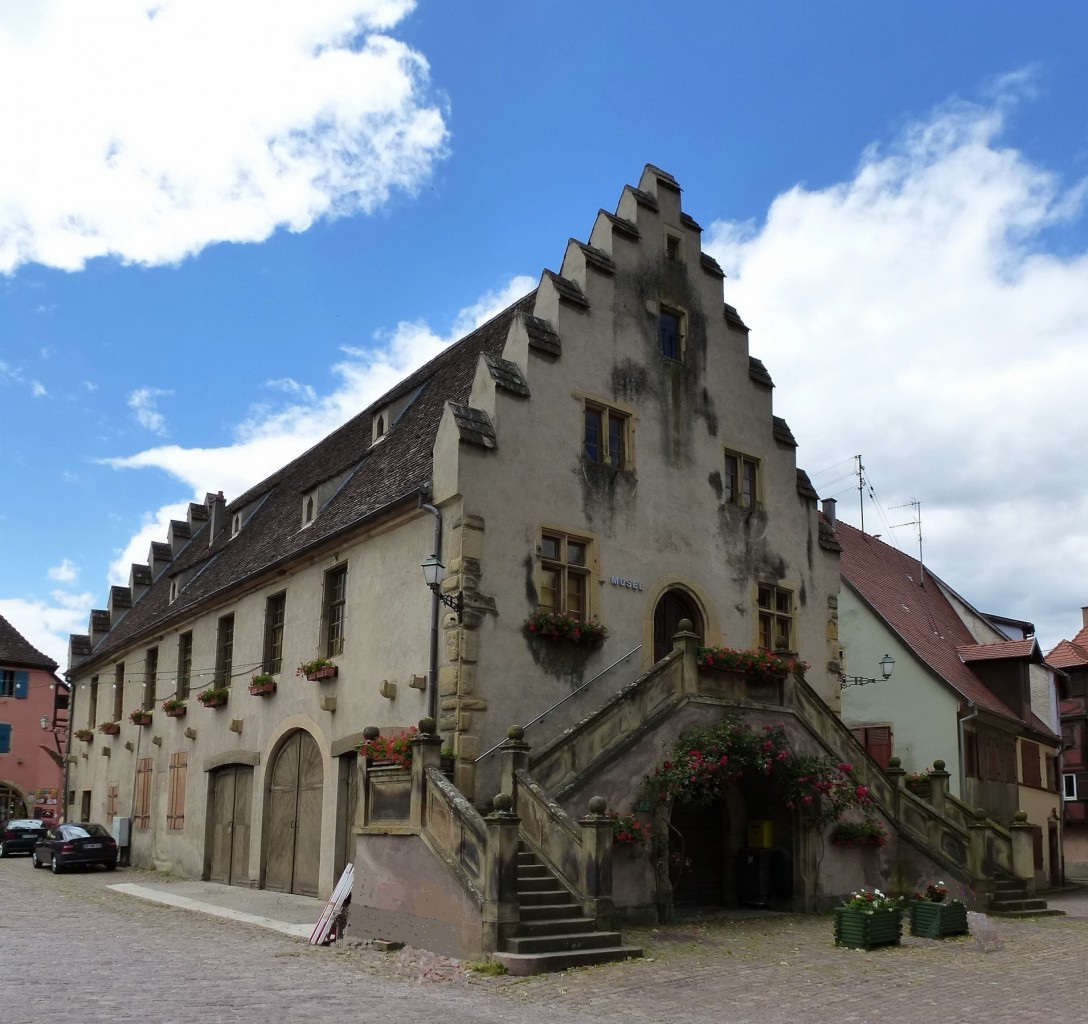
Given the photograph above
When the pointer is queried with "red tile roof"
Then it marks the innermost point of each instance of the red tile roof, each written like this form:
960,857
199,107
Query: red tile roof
1068,655
15,649
914,607
1007,649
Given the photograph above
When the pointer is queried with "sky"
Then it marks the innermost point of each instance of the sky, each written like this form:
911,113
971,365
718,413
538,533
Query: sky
226,228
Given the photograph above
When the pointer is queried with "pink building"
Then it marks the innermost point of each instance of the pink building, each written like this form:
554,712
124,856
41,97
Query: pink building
33,727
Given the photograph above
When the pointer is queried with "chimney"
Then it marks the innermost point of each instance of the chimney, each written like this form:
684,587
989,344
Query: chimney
1084,616
828,506
217,514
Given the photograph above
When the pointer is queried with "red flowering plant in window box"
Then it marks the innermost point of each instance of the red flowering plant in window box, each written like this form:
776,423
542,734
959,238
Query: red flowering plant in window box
554,626
759,664
318,668
392,749
86,735
110,728
627,830
174,708
704,761
850,834
140,717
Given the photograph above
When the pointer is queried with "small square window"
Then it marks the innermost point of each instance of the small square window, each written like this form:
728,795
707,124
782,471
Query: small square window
740,482
605,436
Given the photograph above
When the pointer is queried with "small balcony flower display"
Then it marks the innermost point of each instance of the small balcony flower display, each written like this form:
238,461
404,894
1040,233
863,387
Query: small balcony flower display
174,708
627,830
917,783
552,626
140,717
262,684
933,915
850,834
393,749
317,669
761,665
110,728
84,735
213,696
868,918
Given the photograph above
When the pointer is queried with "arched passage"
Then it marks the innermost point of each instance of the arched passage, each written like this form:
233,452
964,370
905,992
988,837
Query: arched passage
675,604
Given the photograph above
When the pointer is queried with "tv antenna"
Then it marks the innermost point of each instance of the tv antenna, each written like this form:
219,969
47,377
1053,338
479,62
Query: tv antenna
916,522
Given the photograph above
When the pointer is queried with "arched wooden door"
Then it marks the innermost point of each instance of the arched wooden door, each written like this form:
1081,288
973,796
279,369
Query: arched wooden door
674,605
231,812
697,852
294,816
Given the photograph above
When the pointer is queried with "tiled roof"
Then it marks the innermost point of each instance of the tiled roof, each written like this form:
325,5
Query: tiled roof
1067,655
758,372
915,608
782,433
16,650
376,477
1007,649
627,227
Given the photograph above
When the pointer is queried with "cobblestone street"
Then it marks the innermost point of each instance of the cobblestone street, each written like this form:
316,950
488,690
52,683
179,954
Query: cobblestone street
124,959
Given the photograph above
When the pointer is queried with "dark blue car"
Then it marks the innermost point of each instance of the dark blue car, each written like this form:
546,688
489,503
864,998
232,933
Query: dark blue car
71,845
20,834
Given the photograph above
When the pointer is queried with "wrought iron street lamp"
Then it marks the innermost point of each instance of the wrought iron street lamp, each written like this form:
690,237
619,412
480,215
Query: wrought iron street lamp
887,663
432,573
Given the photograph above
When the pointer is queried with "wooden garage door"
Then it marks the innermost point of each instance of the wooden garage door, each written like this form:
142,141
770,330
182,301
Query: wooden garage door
230,828
294,816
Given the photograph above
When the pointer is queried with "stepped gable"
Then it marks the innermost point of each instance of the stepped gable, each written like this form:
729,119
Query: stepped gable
381,475
890,582
16,650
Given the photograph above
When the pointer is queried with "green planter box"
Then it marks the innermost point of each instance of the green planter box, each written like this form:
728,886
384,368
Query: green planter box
935,920
864,929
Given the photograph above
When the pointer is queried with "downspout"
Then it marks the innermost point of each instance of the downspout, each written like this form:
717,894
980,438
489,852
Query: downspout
63,804
963,753
432,666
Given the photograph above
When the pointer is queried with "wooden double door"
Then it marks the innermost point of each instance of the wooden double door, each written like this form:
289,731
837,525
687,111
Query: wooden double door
231,815
297,778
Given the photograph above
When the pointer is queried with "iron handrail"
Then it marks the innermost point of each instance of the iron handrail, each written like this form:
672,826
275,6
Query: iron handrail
559,703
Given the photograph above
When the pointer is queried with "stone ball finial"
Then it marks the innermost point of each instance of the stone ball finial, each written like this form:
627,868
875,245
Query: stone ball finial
516,733
427,726
502,803
894,762
371,732
980,814
938,765
685,626
1020,817
597,805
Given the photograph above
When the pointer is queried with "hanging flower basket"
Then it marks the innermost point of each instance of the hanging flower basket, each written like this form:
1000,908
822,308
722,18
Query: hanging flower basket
174,708
110,728
84,735
140,717
552,627
262,685
318,669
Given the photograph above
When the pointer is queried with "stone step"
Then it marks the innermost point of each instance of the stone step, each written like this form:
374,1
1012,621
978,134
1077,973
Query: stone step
550,911
521,964
1045,911
537,883
562,943
1008,906
555,926
537,870
539,897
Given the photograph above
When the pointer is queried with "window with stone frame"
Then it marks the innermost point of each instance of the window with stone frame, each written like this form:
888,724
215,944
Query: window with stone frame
224,650
275,615
335,606
740,480
92,704
118,692
670,332
151,678
564,574
775,617
606,436
185,665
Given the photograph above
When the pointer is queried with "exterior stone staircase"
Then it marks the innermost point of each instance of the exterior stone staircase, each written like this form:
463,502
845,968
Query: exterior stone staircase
1011,898
553,932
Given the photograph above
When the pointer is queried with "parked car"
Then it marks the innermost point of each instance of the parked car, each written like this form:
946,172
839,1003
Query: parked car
71,845
20,834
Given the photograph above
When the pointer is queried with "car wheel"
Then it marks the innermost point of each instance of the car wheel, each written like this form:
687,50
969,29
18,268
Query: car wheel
111,865
3,850
34,859
54,865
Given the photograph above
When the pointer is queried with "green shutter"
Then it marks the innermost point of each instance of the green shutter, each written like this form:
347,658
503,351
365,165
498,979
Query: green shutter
22,685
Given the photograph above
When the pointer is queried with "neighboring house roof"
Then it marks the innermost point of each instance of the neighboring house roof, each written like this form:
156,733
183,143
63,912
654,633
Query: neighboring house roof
1005,649
1067,655
15,649
912,604
377,476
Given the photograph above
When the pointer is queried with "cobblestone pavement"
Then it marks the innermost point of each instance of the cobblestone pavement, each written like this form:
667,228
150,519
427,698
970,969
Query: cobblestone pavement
69,941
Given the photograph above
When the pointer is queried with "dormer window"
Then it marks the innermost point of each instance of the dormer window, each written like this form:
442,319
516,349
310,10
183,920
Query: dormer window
173,590
235,524
379,428
307,510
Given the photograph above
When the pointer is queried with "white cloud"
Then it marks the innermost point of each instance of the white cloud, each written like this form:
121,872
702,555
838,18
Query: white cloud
37,389
46,625
268,439
66,572
914,314
201,121
143,403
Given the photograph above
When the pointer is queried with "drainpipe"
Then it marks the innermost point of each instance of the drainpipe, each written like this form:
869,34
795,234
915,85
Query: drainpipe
432,668
963,756
63,803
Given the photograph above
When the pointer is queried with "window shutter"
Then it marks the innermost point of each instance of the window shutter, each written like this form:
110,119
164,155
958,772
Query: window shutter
878,742
5,738
22,685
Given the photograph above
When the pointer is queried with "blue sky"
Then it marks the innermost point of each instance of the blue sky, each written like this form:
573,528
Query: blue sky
224,230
